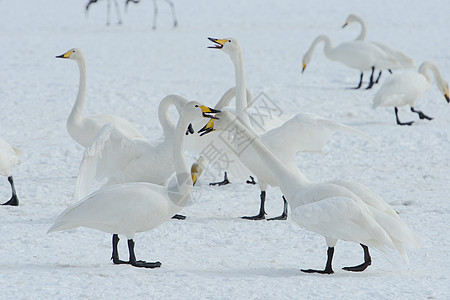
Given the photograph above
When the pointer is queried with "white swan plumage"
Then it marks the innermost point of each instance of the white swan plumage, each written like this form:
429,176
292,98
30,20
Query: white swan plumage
338,210
311,132
134,207
84,129
9,157
359,55
407,87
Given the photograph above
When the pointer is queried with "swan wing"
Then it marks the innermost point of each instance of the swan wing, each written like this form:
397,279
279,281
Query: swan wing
8,157
404,60
305,133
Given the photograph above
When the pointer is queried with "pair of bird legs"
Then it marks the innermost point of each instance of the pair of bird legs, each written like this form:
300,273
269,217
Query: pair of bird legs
262,212
14,201
371,82
132,259
329,269
421,116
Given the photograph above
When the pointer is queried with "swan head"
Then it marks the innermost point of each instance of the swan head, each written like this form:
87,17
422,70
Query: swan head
75,54
230,45
198,168
445,90
351,18
194,110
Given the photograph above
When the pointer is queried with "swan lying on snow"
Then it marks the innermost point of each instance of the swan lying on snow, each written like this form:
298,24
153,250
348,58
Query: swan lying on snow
84,129
134,207
407,87
338,210
8,159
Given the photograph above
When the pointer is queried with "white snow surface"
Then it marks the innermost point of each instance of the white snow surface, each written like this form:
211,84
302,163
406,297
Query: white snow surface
213,253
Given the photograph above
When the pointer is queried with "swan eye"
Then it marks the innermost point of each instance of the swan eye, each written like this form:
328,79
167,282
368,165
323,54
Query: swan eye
196,105
229,41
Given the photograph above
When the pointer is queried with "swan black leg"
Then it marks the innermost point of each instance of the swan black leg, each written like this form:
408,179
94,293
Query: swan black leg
140,263
14,201
328,267
367,262
262,213
119,18
379,75
223,182
252,181
360,81
371,82
284,214
421,114
398,121
115,252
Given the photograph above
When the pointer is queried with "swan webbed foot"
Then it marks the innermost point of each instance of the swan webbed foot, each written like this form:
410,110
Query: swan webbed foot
225,181
13,201
252,181
398,120
144,264
326,271
284,214
367,262
279,218
370,85
421,114
360,82
179,217
260,216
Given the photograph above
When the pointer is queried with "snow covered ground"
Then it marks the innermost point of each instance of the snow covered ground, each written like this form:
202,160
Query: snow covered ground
215,254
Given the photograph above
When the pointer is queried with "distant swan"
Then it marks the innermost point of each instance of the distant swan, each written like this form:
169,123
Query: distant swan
8,159
134,207
84,129
407,87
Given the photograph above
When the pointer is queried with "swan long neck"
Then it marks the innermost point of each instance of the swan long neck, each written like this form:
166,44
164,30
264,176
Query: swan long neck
286,179
81,96
184,184
328,45
428,65
363,33
241,89
167,124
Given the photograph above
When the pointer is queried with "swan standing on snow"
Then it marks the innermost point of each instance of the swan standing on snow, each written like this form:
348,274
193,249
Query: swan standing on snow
359,55
84,129
108,10
404,60
155,11
134,207
8,159
407,87
311,132
338,210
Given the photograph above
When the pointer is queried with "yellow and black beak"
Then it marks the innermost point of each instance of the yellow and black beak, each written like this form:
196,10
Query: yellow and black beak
65,55
218,43
345,25
447,96
207,110
209,127
304,67
194,178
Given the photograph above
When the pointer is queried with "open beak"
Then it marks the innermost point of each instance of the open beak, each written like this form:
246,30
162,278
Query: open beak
65,55
190,129
304,67
218,43
447,96
209,127
207,110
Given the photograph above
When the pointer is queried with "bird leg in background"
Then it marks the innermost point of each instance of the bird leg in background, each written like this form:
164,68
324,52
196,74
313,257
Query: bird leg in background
379,75
14,201
367,261
360,82
252,181
284,214
371,82
262,213
328,268
398,121
223,182
421,114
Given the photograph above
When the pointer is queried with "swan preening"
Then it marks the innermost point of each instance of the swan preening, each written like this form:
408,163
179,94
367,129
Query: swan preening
311,132
8,159
406,88
338,210
84,129
129,208
359,55
404,61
